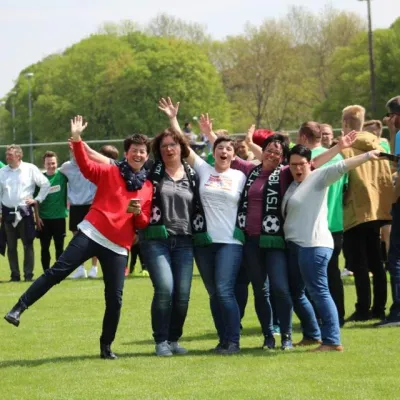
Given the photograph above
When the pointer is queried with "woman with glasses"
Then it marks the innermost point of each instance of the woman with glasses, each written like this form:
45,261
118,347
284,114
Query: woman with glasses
168,248
309,240
218,254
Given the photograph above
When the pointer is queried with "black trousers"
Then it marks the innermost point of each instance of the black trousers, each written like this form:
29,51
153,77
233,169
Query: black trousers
363,252
12,235
52,229
135,253
79,250
334,279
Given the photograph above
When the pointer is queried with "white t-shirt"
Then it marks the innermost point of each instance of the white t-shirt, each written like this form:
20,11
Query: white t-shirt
220,196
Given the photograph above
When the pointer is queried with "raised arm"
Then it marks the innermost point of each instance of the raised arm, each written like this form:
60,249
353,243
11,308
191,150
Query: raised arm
95,156
171,111
356,161
207,128
91,170
344,142
255,148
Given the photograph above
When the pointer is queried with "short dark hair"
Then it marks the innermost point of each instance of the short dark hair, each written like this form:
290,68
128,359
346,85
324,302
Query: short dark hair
136,138
176,137
300,150
240,139
311,130
49,154
223,138
277,138
393,105
109,151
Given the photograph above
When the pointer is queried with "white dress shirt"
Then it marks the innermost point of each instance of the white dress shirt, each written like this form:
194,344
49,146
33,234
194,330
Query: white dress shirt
18,185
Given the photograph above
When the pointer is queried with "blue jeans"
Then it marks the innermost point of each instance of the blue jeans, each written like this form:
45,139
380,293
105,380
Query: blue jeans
268,271
170,265
80,249
311,263
394,262
219,265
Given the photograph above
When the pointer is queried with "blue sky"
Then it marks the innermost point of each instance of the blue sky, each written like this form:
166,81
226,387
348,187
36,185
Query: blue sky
31,30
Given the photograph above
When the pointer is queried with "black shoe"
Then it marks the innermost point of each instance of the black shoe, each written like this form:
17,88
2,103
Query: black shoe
28,279
358,317
378,315
15,280
286,343
388,323
218,347
106,353
229,348
269,343
14,315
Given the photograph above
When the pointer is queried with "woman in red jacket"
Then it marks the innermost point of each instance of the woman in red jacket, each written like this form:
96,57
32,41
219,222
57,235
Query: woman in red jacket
107,231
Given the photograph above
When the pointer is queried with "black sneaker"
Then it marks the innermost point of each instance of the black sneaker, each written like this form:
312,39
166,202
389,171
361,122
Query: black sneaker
269,343
229,348
378,315
358,317
217,348
286,343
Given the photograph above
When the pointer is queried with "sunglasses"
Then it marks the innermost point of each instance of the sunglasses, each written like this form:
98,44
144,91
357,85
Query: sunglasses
389,115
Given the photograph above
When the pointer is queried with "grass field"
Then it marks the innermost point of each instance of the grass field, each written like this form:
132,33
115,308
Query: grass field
54,353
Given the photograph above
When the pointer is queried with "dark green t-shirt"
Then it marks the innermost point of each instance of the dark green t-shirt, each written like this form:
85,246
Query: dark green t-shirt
54,205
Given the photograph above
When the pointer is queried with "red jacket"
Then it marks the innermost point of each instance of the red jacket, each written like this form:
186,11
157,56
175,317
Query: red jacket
108,211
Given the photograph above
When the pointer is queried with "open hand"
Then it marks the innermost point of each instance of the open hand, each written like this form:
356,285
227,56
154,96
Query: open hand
30,202
39,224
77,127
206,125
168,108
347,140
250,133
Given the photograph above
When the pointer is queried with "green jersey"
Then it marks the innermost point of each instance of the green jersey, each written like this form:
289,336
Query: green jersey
335,193
54,205
2,164
210,159
385,145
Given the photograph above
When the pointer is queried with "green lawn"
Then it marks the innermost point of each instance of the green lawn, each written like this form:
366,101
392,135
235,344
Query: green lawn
54,353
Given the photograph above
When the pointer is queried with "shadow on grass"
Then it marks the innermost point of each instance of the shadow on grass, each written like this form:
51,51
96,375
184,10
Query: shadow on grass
255,352
360,325
212,335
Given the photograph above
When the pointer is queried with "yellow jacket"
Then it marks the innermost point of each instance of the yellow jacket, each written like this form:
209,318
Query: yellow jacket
370,189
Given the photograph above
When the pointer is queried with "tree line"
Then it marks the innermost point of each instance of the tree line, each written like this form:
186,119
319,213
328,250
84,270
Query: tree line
277,75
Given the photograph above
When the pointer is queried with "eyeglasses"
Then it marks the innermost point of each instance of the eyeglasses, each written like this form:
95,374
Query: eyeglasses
168,146
389,115
273,153
300,164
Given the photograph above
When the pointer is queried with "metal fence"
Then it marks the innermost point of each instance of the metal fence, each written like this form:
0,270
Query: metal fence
62,149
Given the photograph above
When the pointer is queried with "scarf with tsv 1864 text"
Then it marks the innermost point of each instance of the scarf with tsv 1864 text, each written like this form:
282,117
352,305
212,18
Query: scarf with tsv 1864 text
272,221
156,228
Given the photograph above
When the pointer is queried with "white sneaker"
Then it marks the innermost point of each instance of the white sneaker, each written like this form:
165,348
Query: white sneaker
79,273
93,272
346,272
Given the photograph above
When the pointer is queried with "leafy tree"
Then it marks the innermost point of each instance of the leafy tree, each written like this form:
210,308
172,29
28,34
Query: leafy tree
351,67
